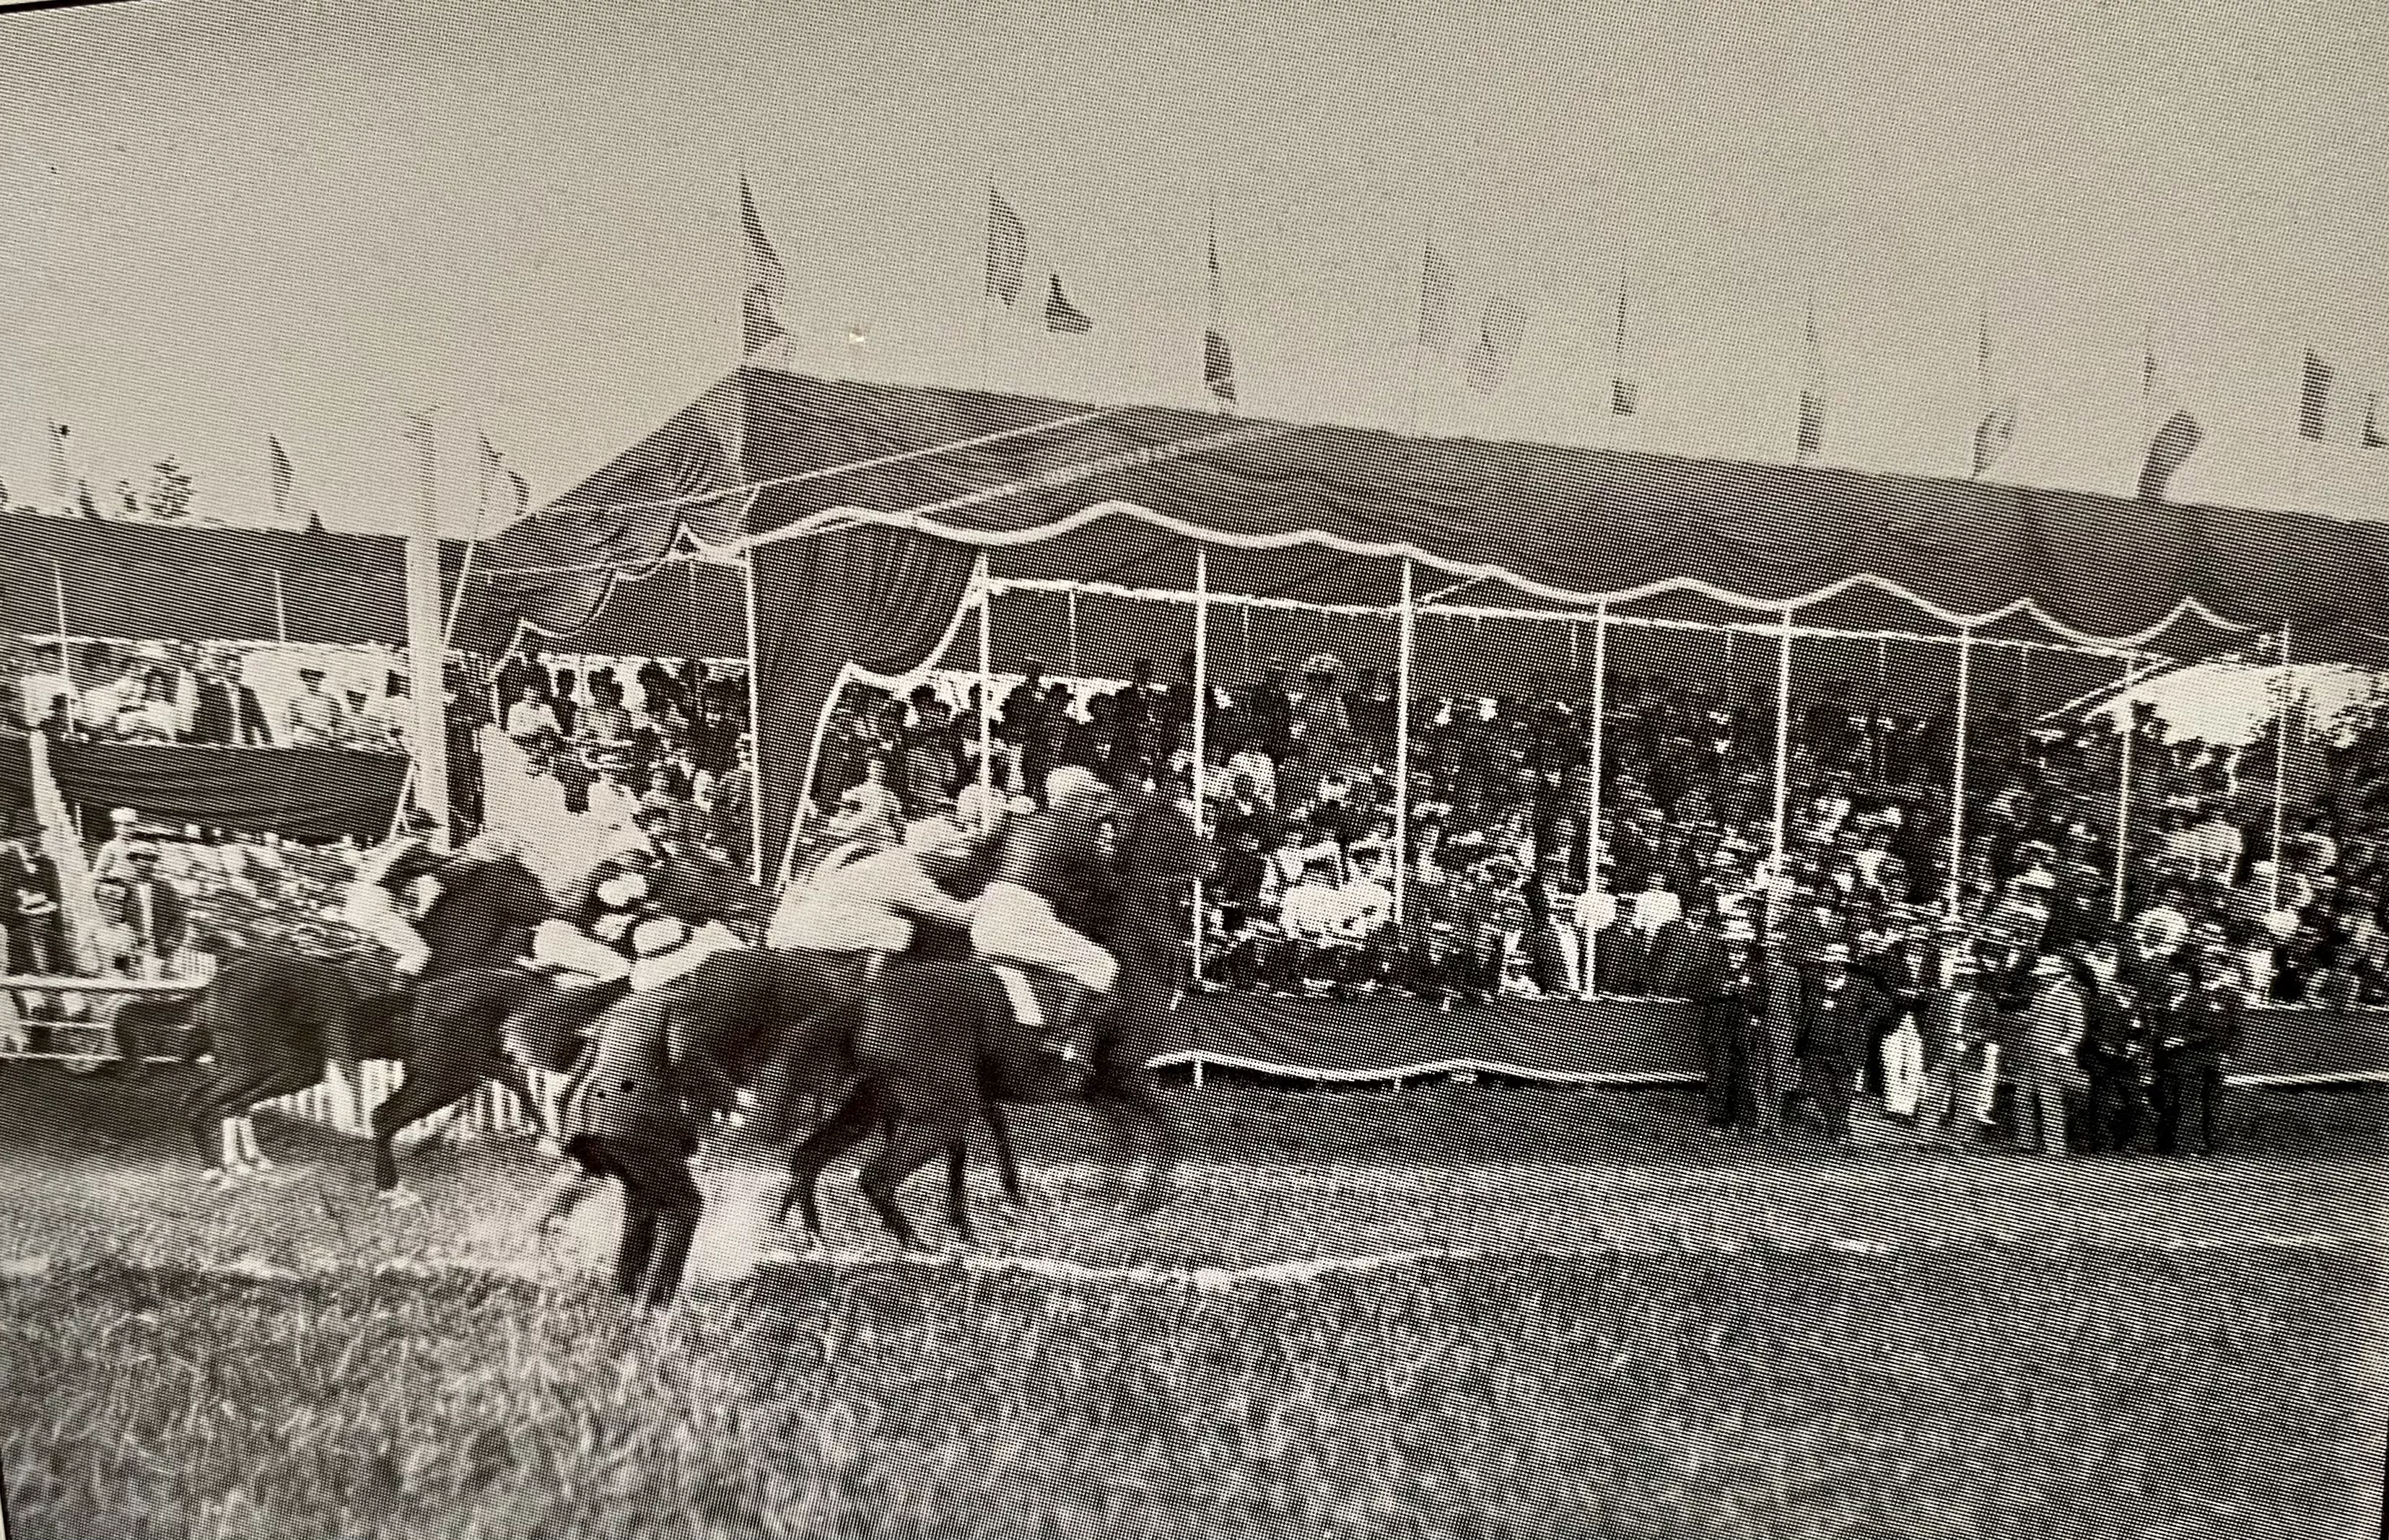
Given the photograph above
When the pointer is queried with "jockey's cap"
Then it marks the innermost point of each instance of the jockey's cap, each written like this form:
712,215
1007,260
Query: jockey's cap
659,935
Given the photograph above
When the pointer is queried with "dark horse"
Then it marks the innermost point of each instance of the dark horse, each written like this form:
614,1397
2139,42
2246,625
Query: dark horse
276,1016
925,1049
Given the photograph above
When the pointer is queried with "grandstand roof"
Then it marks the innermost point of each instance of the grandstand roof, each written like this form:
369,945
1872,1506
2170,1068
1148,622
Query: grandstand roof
1318,512
173,582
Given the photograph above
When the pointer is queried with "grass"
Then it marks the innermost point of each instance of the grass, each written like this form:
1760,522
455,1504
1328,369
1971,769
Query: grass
1671,1338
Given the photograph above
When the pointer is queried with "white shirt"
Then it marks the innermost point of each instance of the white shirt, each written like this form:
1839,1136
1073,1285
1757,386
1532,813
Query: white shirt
39,690
527,717
1653,909
864,906
1311,911
1256,766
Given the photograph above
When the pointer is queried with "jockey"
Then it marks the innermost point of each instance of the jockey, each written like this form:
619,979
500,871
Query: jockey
869,907
381,901
1052,862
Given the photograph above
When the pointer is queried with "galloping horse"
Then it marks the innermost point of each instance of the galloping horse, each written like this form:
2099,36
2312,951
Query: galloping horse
931,1024
277,1016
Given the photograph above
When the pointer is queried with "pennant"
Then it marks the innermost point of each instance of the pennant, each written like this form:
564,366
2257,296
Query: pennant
1060,314
1810,441
1996,429
1219,360
522,493
2314,397
62,487
1007,249
2374,437
1498,336
1437,294
1624,397
765,300
1993,435
2174,443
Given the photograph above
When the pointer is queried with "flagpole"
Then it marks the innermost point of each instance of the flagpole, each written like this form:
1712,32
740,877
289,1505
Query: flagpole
2281,762
1200,780
754,825
425,633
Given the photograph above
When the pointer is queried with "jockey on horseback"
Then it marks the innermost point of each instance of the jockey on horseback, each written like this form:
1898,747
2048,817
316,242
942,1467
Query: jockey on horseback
382,902
873,904
1054,864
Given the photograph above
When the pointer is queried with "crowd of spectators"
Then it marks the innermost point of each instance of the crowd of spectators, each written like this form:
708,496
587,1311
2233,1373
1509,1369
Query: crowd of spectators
673,737
178,693
1499,898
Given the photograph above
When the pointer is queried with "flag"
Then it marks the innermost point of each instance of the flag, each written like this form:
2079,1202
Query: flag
2174,443
1810,441
62,481
1219,360
1437,293
765,300
2374,437
522,493
1060,314
1995,428
1498,336
1007,249
1993,435
2314,397
289,503
1624,397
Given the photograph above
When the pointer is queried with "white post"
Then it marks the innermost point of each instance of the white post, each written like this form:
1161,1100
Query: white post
282,611
2123,790
65,651
1593,840
1783,762
425,633
1201,741
986,690
756,865
2281,765
1957,771
1404,645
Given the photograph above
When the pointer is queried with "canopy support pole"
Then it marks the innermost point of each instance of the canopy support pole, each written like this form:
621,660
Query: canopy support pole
66,652
755,853
1957,772
1202,741
1406,646
425,636
2280,764
1593,844
1782,760
986,696
2124,792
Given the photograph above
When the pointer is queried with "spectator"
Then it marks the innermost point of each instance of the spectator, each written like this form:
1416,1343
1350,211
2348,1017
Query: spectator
31,937
1837,1028
1958,1035
2197,1033
2046,1055
47,695
224,711
313,720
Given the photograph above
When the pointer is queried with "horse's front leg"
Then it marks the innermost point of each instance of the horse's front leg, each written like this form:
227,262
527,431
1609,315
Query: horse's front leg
1007,1167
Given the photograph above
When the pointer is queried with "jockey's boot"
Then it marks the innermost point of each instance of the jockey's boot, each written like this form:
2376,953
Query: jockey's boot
1066,1037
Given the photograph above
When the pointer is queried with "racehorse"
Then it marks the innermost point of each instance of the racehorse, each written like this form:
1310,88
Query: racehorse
931,1028
276,1017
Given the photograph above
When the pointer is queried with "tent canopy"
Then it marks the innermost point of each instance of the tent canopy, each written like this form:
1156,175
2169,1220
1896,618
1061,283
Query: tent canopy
865,504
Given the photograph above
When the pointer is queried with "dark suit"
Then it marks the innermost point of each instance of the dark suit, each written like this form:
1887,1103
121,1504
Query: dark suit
1836,1030
2194,1037
222,714
155,915
624,1118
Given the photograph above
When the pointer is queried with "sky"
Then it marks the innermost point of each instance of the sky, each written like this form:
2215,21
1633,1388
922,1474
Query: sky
218,221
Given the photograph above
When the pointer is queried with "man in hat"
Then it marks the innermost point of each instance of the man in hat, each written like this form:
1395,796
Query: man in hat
1700,969
31,938
2117,1057
148,921
1958,1035
1272,709
1837,1028
2046,1056
224,711
313,718
2197,1033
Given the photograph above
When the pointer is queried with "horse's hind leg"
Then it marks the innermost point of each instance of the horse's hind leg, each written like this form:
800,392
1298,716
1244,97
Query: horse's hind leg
272,1087
209,1109
426,1089
910,1146
845,1129
958,1189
